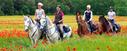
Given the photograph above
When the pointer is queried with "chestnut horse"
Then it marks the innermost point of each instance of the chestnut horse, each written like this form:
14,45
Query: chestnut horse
82,26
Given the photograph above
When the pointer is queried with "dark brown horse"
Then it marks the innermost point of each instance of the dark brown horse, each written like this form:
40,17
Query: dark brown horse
106,26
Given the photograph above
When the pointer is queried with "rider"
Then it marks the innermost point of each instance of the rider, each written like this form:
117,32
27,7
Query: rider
88,15
39,13
59,20
111,16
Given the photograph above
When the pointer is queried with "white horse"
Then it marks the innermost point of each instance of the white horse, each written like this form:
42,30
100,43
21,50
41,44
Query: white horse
50,29
31,27
52,32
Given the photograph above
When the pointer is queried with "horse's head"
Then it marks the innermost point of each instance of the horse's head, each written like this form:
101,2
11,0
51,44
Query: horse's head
43,22
102,19
78,13
27,22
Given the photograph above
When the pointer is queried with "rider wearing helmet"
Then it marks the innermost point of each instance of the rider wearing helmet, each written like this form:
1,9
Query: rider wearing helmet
111,16
88,15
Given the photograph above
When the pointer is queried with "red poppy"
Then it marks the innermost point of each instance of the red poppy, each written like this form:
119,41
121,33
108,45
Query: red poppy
74,49
68,48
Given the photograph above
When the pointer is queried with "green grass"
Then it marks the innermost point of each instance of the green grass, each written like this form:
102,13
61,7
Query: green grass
91,43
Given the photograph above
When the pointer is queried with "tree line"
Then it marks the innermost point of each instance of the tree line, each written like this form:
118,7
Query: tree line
27,7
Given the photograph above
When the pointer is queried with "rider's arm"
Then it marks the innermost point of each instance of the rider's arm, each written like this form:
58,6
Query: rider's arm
108,15
91,16
62,15
61,20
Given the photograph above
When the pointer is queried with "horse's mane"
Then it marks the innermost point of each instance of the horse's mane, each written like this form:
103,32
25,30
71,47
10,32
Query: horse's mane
49,21
31,19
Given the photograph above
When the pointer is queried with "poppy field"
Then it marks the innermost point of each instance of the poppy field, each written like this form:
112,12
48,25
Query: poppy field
14,38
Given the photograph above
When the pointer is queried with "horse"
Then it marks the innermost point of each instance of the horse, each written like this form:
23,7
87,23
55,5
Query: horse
31,27
48,28
51,30
82,26
106,26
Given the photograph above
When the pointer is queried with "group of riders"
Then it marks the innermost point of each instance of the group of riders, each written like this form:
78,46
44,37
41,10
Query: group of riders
58,20
88,17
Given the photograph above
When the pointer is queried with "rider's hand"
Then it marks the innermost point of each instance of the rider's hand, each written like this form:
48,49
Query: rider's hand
60,20
88,21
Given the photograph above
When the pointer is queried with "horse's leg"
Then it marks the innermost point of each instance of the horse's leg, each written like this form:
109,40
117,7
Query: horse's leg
48,39
36,37
108,32
31,39
56,37
100,29
43,37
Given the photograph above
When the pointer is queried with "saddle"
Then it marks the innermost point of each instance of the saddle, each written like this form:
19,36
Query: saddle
66,29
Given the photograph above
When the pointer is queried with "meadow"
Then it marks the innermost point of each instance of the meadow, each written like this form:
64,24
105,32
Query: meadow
13,37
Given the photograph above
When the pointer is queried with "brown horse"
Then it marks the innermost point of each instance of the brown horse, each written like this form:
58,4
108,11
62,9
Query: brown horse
106,26
82,26
97,27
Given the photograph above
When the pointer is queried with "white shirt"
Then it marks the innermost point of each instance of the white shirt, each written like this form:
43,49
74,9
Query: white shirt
111,15
39,13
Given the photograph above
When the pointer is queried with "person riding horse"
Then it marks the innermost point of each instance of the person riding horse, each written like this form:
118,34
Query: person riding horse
39,13
82,26
58,21
88,15
111,16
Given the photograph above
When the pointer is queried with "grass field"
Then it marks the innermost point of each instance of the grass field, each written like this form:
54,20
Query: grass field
13,37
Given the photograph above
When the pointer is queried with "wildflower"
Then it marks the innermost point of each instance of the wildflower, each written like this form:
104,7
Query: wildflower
74,49
68,48
98,48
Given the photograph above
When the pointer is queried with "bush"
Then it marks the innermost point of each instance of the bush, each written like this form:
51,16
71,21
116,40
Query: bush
99,7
